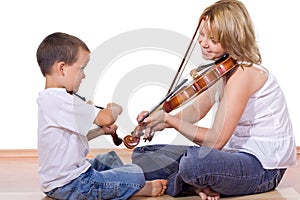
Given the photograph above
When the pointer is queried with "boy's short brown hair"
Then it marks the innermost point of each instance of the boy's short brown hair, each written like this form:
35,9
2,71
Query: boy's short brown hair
58,47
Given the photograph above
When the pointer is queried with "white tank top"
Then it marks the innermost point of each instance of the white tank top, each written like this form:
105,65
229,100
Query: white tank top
265,129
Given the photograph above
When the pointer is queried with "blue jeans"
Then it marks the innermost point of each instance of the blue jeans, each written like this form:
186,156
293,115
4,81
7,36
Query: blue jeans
107,178
229,174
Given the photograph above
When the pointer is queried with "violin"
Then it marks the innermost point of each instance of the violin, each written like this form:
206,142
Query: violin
117,141
201,83
179,97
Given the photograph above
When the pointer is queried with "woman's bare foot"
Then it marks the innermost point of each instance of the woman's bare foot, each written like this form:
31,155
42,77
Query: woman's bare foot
207,194
153,188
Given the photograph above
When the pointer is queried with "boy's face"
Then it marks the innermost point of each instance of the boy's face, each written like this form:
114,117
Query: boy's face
74,73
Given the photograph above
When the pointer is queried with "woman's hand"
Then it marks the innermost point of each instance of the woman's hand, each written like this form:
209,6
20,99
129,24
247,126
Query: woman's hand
151,124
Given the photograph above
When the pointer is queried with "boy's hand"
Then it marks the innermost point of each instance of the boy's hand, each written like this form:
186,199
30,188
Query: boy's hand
104,130
109,130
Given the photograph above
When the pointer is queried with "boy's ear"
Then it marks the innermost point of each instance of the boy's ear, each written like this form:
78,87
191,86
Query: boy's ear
60,66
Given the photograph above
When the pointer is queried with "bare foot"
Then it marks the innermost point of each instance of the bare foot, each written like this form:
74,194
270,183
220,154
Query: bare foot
153,188
207,194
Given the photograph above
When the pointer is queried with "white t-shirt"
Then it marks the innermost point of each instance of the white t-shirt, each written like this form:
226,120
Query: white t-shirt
265,129
63,123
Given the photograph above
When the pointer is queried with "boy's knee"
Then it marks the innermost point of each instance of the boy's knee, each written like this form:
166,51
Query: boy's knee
137,173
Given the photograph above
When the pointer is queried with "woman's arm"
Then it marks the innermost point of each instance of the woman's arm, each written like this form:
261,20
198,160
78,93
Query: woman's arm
191,114
238,89
201,105
240,86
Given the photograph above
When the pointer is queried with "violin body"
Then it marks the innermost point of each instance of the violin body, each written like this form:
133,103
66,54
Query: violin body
200,83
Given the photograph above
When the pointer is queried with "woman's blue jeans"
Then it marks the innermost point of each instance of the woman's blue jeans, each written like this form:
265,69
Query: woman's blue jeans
107,178
229,174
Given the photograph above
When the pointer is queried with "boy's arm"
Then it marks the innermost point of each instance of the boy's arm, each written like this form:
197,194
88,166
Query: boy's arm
106,130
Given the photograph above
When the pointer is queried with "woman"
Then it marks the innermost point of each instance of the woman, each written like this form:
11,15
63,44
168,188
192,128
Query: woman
250,142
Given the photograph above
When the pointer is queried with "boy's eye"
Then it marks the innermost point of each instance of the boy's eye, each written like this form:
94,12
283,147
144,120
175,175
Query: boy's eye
81,68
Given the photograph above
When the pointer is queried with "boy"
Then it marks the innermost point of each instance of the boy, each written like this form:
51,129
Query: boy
63,132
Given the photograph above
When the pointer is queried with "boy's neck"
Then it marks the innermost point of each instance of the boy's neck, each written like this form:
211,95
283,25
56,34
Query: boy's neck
52,82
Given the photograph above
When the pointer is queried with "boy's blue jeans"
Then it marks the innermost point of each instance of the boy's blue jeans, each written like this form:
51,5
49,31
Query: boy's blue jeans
227,173
107,178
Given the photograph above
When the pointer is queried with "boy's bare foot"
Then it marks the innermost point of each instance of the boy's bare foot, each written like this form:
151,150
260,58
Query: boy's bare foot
153,188
207,194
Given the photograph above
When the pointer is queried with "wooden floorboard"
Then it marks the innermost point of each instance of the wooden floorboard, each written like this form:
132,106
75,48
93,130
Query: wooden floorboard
19,178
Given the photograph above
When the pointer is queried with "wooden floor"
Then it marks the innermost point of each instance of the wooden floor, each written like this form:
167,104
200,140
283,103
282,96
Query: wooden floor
19,179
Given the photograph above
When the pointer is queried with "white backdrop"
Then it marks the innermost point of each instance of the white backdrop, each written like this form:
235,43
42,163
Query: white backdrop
25,23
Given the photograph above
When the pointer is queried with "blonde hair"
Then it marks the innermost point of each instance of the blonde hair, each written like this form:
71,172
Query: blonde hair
230,25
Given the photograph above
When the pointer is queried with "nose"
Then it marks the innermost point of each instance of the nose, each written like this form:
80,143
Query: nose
203,42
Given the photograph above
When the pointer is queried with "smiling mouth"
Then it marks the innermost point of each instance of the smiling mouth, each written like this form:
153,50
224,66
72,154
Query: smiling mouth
205,52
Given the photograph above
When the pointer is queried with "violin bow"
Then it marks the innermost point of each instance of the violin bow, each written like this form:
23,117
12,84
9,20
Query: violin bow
184,60
175,81
130,141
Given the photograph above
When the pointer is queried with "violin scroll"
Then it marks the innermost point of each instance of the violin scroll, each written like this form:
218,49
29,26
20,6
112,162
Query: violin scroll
131,141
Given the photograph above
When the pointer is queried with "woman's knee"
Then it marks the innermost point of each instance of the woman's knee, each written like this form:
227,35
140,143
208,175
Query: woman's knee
194,162
185,166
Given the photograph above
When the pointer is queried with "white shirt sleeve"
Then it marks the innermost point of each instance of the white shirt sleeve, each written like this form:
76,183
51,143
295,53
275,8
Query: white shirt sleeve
78,116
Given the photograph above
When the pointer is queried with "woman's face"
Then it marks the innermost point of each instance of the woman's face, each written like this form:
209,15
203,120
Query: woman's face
211,50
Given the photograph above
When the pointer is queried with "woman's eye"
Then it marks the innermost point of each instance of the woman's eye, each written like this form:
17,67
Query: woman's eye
213,40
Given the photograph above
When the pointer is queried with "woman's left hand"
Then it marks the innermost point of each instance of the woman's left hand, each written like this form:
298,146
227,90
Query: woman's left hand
153,123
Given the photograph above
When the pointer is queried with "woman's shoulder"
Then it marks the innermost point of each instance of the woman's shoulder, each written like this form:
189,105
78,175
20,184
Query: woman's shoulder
249,78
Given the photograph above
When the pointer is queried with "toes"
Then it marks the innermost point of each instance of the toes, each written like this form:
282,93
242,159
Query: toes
203,195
